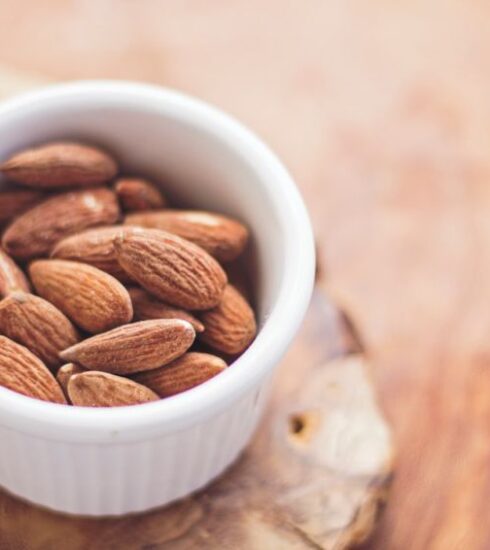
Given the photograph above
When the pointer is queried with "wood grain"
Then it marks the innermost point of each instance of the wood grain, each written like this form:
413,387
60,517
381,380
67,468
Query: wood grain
380,109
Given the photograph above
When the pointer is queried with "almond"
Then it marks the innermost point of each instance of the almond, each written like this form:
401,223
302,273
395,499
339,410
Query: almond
11,276
92,299
65,373
172,269
16,201
138,194
62,164
147,307
35,232
222,237
132,348
180,375
94,247
100,389
22,372
230,327
37,325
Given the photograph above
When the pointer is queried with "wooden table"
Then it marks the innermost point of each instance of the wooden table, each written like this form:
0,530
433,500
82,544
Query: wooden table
381,110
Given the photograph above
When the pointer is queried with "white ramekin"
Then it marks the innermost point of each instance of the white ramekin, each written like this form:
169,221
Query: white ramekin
129,459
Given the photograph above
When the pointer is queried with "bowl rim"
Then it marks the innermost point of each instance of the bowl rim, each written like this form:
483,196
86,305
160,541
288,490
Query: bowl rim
172,414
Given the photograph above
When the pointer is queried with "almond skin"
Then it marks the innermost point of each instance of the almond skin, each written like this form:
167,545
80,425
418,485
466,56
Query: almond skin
230,327
172,269
94,247
58,165
147,307
133,348
100,389
16,201
181,375
37,325
92,299
11,276
136,194
22,372
222,237
65,373
34,233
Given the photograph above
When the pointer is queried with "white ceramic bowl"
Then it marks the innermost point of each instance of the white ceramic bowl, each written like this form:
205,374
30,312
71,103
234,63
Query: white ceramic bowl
115,461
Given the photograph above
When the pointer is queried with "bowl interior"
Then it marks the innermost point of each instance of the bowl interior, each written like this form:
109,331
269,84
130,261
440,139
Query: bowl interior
186,156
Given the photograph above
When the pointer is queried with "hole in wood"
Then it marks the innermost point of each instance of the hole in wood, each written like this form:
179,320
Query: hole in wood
296,424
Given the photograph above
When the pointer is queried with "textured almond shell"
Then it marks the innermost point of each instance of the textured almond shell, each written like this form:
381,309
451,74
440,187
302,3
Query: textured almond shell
136,194
62,164
16,201
146,307
11,276
173,269
34,233
222,237
22,372
65,373
92,299
230,327
135,347
37,325
100,389
94,247
186,372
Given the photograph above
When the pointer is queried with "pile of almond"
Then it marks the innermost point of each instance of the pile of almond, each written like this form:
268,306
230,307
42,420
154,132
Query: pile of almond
108,296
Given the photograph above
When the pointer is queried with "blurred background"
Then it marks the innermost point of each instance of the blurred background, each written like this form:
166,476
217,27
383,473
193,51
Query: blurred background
381,111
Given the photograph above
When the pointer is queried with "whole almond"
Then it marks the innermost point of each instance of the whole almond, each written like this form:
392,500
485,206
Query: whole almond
34,233
11,276
230,327
63,164
95,301
100,389
172,269
222,237
37,325
22,372
180,375
94,247
65,373
138,194
16,201
135,347
148,307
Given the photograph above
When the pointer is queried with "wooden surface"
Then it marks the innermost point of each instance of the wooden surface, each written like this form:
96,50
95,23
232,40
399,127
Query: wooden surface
381,111
315,476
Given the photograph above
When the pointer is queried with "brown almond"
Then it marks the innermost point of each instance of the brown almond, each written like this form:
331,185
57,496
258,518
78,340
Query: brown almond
37,325
11,276
172,269
135,347
184,373
100,389
148,307
136,194
62,164
16,201
95,301
34,233
21,371
222,237
65,373
230,327
94,247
